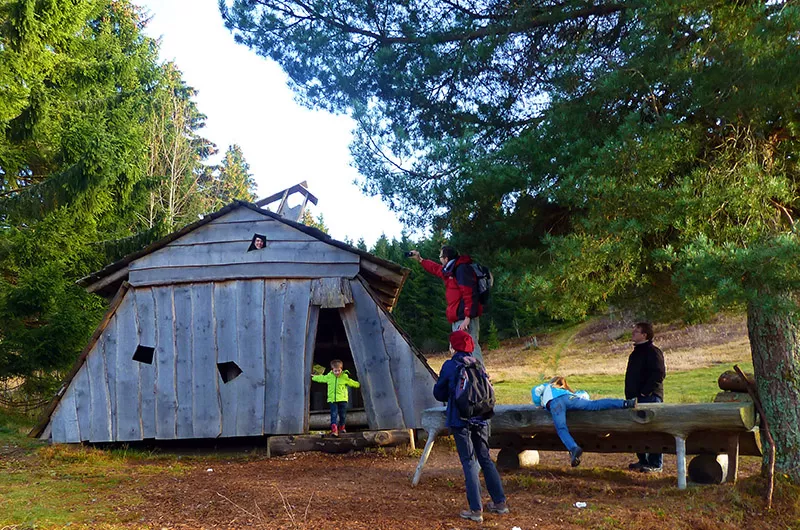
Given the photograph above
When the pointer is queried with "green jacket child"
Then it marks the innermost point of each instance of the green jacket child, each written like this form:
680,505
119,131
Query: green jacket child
337,380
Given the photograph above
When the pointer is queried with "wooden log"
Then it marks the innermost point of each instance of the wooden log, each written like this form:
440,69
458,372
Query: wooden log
698,442
321,421
284,445
708,469
732,397
648,417
508,459
730,380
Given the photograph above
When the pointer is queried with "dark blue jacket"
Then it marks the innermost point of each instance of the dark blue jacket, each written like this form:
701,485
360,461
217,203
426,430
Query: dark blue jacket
444,389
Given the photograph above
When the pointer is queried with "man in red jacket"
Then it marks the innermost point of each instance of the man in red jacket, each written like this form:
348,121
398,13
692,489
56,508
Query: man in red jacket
460,291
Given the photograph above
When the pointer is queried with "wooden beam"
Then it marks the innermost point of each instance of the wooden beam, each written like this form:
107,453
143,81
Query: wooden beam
284,445
108,280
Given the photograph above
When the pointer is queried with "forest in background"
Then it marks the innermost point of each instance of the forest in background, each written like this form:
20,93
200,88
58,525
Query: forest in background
102,153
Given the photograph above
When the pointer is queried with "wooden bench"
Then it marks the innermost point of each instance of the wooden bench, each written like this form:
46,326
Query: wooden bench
707,429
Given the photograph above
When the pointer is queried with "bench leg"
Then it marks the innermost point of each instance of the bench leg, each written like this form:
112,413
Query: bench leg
426,452
680,452
733,458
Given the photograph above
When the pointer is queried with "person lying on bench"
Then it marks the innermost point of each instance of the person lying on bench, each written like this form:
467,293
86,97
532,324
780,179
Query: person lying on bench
557,397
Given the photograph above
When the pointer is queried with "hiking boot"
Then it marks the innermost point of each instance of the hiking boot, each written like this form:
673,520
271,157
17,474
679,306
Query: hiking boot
629,403
636,466
575,456
500,508
472,515
334,430
342,430
651,469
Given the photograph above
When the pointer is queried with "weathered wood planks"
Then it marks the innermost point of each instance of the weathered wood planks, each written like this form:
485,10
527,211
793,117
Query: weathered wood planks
362,323
128,398
226,229
240,271
236,252
207,419
267,327
250,386
182,303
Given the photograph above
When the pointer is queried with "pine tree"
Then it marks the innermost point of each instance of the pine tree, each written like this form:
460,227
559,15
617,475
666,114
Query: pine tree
628,152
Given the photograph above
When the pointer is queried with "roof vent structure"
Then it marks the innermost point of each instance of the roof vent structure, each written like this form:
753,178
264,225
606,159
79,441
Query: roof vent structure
284,210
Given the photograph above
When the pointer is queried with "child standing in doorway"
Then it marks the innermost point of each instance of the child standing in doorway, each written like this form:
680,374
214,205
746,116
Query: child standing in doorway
337,380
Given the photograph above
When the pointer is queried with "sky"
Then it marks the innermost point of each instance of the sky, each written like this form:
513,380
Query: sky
247,102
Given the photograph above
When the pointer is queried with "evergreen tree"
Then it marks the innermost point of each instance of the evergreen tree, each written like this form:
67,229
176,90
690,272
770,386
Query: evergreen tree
318,223
621,152
229,181
492,340
73,142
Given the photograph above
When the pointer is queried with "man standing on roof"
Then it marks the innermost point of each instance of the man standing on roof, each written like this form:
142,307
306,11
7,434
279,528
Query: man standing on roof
460,291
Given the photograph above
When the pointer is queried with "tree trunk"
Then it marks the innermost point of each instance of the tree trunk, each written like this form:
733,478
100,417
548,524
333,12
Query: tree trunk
775,346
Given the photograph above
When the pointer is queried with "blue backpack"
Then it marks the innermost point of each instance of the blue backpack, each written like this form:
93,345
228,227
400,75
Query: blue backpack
473,395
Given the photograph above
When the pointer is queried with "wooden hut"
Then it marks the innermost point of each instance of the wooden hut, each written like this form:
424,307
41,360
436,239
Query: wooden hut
211,334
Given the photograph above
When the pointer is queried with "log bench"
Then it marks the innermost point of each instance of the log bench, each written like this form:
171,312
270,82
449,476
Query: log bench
705,429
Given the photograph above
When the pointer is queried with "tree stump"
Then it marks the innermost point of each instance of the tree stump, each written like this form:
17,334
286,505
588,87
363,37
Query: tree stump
528,458
708,469
508,459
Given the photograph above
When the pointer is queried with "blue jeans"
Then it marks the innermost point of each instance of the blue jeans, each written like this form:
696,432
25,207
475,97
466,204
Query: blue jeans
472,444
558,410
650,459
338,408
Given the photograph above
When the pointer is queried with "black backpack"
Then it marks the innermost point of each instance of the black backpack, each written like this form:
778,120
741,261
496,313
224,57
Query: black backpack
483,282
473,395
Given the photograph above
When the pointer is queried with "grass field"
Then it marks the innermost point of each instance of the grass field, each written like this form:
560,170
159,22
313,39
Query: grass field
691,386
43,486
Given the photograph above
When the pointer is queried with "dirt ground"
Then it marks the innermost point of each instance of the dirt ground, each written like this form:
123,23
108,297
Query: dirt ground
372,490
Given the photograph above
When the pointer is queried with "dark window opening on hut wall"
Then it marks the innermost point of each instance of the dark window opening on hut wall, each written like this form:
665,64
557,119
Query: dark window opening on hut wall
332,344
258,242
144,354
229,371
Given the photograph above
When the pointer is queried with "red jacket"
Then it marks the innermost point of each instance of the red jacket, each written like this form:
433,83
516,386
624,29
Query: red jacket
460,289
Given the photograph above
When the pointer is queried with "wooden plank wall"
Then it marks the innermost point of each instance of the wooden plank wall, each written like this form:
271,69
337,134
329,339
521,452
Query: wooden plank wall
218,251
267,327
362,324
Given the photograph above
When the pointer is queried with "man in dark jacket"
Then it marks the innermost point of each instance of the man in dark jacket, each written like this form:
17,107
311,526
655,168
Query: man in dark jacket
644,381
471,435
460,291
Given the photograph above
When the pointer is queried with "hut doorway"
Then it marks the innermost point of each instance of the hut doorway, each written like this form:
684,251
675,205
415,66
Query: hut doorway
331,343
